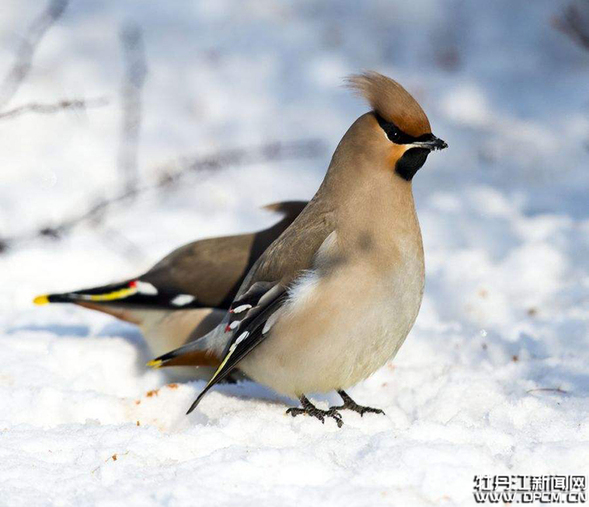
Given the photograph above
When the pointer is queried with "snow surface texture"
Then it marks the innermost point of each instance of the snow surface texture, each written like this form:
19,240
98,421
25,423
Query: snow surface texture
493,378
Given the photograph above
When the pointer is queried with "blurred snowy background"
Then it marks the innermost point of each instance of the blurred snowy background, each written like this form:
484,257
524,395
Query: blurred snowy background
100,100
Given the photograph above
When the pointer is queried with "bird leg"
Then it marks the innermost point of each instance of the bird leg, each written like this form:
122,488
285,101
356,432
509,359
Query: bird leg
350,404
312,410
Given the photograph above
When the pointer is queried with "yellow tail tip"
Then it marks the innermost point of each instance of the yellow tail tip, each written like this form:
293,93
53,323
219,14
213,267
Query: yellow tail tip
156,363
41,300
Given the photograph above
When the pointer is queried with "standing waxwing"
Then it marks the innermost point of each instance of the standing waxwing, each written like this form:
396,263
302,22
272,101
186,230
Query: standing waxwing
333,299
188,292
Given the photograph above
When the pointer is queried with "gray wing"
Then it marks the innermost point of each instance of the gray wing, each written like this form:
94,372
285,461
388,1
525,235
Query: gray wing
252,329
250,315
295,248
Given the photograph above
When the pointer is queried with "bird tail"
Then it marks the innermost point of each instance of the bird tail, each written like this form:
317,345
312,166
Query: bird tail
204,351
103,294
129,294
288,209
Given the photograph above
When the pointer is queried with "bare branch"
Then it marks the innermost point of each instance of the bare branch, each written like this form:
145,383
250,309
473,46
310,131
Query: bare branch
574,22
135,73
118,241
26,51
62,105
171,175
547,390
22,67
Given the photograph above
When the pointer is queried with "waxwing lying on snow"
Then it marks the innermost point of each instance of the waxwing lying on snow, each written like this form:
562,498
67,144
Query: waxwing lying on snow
333,299
188,292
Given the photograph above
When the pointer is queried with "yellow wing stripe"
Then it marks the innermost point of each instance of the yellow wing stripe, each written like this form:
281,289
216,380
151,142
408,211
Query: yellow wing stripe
229,354
111,296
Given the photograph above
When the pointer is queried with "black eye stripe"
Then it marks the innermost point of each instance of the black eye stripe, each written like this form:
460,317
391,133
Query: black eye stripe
396,135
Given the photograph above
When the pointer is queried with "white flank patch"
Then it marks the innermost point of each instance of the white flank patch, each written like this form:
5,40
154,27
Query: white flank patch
146,288
234,324
303,287
182,300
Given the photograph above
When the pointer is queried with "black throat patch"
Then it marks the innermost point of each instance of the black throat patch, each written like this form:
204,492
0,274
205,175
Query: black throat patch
411,162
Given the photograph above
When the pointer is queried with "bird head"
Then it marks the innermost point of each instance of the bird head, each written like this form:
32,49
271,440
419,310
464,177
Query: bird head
397,125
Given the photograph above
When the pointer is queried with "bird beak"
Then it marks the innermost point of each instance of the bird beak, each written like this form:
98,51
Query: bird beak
432,144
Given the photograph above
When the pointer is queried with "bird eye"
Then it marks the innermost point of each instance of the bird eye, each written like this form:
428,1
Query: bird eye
393,133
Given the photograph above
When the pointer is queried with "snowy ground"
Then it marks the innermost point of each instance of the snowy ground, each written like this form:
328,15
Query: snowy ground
494,378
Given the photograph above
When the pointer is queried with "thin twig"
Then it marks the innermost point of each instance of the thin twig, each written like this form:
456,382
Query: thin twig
575,23
548,390
27,48
307,148
62,105
122,244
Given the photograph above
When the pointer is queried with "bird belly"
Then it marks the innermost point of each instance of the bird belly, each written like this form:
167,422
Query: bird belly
338,330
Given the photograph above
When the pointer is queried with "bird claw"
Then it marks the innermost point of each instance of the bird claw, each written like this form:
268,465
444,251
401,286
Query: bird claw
360,409
350,404
310,409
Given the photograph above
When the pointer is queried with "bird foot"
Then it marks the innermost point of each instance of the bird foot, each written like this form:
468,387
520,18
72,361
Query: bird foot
350,404
359,408
310,409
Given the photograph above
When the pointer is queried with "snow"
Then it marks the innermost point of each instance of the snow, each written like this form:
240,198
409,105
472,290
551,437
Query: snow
493,378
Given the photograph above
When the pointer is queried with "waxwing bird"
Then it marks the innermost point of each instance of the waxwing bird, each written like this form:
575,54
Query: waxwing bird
334,297
188,292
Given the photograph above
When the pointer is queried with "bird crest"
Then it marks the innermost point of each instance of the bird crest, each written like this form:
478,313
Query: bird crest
391,101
